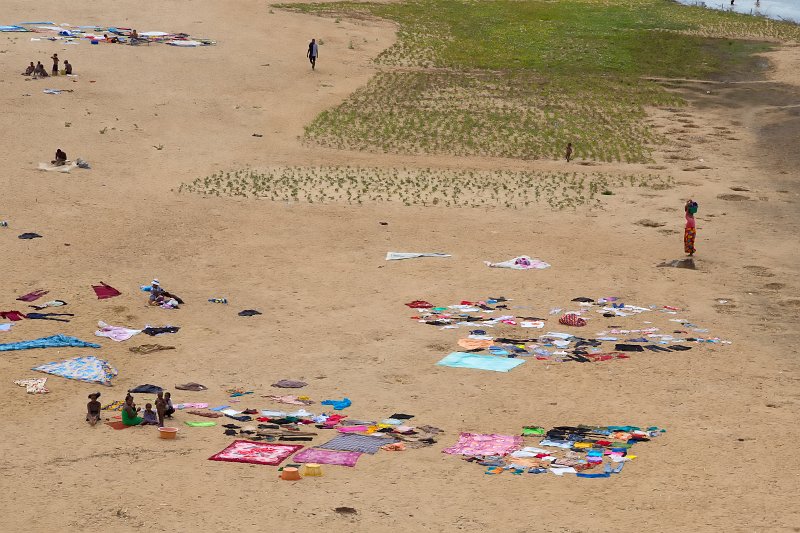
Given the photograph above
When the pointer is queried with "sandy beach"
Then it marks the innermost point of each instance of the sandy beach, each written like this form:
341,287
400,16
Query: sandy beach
149,118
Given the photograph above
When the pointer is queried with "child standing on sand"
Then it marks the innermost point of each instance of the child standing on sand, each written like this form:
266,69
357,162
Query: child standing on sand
690,232
161,408
170,408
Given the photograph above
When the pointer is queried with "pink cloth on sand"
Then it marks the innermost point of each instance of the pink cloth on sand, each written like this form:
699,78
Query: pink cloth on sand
482,444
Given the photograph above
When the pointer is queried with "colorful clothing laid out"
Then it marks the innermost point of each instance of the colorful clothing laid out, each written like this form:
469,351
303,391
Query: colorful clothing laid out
483,444
33,385
327,457
89,369
243,451
54,341
13,316
32,296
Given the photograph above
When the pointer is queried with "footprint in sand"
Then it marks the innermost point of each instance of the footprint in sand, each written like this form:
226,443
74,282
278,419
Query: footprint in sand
774,286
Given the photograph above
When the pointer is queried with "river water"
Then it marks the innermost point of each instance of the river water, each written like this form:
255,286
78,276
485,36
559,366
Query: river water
775,9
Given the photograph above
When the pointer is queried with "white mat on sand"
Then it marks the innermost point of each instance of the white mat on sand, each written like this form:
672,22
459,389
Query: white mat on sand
396,256
522,262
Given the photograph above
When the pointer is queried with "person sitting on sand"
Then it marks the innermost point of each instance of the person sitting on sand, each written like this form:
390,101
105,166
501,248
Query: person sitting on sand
156,293
67,67
30,70
93,409
130,412
40,71
61,158
149,416
134,36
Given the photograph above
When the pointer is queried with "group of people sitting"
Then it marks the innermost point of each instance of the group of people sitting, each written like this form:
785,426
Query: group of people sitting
38,70
130,413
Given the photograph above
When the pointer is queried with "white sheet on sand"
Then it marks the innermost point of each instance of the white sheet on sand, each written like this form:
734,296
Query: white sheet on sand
396,256
57,168
522,262
115,333
187,43
153,33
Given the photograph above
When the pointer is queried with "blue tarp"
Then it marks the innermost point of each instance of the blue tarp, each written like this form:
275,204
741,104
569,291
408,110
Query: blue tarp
12,28
89,369
56,341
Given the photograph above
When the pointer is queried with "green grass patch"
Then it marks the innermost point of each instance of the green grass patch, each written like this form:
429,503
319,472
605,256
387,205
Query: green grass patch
521,78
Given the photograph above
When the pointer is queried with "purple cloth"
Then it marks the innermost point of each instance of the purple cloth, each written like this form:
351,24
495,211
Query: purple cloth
481,444
327,457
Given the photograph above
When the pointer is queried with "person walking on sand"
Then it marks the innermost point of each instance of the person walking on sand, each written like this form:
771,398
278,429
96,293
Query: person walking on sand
690,232
55,64
568,154
313,52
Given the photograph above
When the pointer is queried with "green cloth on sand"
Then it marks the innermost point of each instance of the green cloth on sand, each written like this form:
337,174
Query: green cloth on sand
199,424
532,430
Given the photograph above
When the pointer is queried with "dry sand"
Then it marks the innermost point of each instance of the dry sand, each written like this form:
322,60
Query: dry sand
333,312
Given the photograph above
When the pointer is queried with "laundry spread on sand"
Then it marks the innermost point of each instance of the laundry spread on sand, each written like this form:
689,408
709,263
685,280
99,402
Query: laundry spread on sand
243,451
14,316
479,362
396,256
32,296
116,405
51,303
33,385
69,34
153,331
191,405
104,291
289,384
192,386
522,262
146,389
481,444
501,330
150,348
327,457
29,236
89,369
357,443
207,414
289,399
586,451
197,424
5,327
116,333
54,341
